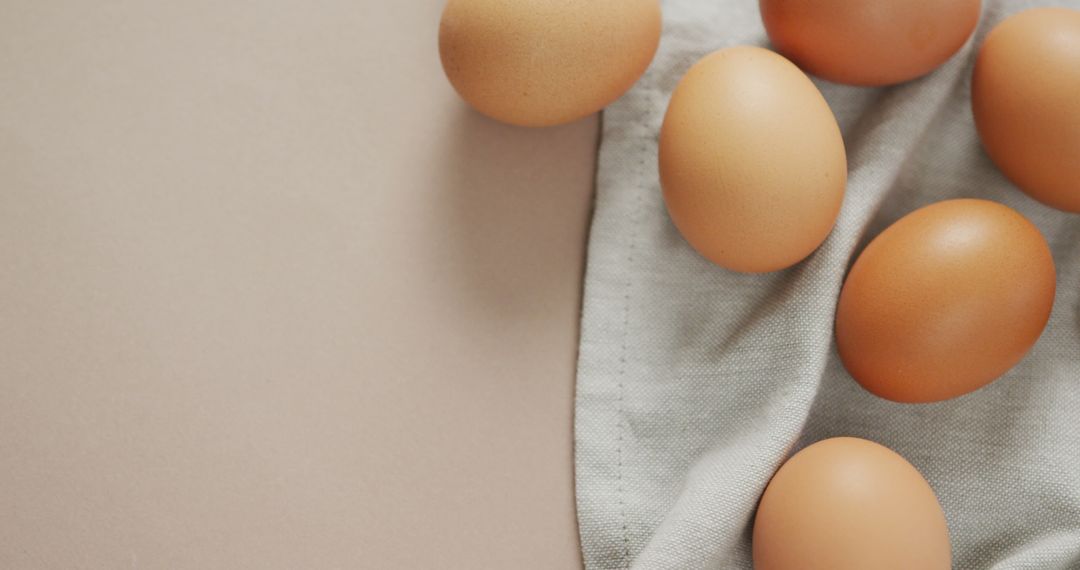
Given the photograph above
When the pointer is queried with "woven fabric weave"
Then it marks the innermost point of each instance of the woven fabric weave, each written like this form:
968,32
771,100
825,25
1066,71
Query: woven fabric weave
696,383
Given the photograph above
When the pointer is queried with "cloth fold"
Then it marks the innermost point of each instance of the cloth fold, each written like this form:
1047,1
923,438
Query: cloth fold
696,383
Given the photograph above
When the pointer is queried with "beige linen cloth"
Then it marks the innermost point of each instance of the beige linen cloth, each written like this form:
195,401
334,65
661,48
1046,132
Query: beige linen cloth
695,383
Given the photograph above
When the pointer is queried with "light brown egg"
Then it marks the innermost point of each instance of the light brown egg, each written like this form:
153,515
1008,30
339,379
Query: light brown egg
945,301
869,42
751,161
849,504
546,62
1025,95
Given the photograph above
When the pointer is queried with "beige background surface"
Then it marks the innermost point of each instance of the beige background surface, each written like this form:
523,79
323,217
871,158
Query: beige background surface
270,297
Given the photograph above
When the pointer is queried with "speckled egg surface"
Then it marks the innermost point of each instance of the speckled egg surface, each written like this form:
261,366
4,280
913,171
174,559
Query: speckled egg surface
849,504
1025,95
752,163
869,42
945,301
546,62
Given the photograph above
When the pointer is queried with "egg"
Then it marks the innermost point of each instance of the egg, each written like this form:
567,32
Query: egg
869,42
849,504
546,62
751,160
944,301
1025,95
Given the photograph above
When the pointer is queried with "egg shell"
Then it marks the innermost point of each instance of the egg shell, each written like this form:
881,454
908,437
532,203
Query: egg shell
849,504
869,42
546,62
1025,95
752,163
944,301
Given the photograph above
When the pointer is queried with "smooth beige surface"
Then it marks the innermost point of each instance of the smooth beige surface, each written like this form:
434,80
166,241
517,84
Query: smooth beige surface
271,297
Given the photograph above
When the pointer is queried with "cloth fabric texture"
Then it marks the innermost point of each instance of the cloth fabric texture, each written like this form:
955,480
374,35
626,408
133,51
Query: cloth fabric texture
696,383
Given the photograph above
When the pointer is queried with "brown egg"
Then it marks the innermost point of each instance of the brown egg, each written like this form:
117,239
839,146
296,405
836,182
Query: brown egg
751,161
849,504
1025,95
944,301
869,42
546,62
